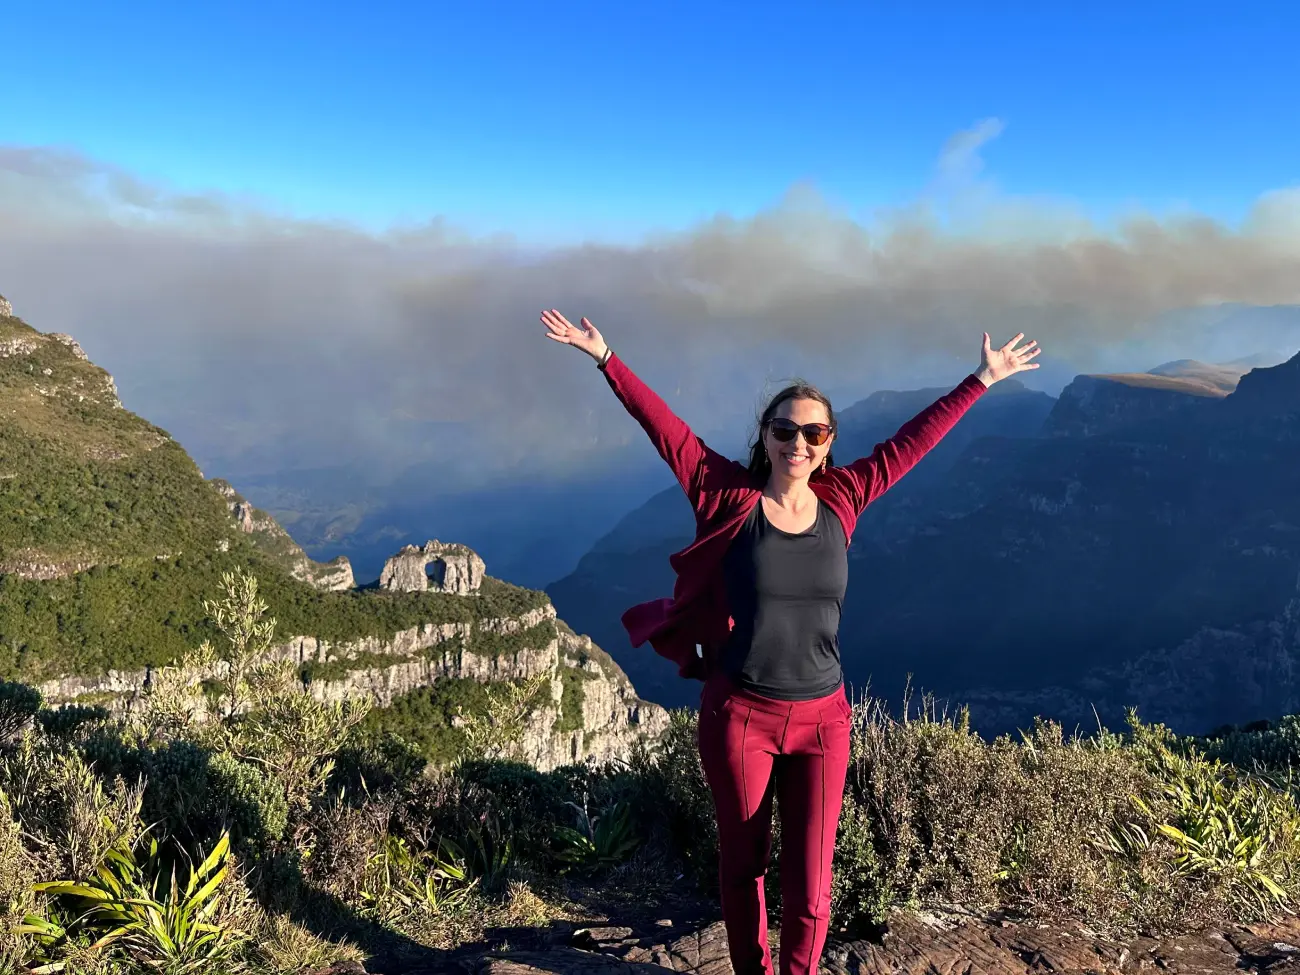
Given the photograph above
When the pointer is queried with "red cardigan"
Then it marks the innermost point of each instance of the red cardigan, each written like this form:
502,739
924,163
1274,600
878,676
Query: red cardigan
691,627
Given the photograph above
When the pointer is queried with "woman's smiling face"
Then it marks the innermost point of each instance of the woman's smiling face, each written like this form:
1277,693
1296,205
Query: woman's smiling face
797,458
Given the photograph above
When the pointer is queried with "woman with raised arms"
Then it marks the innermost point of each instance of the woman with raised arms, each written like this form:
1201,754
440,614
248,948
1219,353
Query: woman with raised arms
755,615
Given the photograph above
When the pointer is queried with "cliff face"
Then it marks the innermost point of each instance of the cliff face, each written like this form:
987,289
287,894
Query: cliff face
1218,675
612,721
1093,405
267,534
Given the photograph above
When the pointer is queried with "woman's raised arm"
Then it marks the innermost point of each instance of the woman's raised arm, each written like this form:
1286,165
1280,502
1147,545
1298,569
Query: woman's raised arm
871,476
691,460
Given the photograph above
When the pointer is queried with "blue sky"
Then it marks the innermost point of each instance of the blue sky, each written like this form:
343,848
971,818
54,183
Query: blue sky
582,119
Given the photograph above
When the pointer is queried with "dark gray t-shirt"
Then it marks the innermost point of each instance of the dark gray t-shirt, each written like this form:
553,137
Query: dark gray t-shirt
785,593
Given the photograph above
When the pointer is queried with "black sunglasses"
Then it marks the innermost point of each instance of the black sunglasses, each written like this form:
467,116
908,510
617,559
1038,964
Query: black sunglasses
784,430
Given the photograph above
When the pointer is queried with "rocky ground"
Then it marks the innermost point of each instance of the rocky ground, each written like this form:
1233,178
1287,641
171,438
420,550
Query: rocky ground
933,945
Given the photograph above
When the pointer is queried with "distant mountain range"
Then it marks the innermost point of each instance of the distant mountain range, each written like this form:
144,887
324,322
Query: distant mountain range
1135,541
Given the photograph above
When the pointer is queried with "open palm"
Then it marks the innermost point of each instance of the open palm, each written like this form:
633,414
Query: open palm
584,336
998,364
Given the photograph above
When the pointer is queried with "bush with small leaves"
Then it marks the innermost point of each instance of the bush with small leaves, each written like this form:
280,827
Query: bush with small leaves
521,803
1265,746
342,842
198,794
250,801
18,705
376,764
70,720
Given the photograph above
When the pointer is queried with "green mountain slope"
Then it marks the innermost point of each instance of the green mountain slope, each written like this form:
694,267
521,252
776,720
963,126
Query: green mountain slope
110,537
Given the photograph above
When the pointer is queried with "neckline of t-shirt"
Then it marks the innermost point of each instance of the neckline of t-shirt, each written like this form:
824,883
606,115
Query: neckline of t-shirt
810,531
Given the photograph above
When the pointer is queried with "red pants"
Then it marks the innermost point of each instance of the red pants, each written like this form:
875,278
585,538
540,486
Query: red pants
752,749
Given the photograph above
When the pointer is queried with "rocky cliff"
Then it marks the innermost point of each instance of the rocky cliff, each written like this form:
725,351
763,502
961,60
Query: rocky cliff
611,718
1218,675
1092,405
267,534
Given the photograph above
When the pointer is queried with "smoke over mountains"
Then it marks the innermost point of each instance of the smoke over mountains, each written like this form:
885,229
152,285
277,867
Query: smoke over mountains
267,342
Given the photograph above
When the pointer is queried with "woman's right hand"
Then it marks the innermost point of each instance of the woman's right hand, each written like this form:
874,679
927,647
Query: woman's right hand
585,336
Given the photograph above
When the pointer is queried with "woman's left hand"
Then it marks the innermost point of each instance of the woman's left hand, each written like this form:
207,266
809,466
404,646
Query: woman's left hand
1007,361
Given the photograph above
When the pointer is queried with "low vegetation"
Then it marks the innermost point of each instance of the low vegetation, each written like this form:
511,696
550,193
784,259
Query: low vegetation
245,826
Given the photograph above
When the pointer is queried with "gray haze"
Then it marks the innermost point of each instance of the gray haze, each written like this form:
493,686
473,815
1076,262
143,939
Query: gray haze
266,342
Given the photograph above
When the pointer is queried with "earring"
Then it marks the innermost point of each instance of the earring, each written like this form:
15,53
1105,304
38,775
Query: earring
824,459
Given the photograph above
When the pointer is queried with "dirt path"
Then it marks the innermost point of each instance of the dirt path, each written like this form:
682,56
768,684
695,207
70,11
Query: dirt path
913,946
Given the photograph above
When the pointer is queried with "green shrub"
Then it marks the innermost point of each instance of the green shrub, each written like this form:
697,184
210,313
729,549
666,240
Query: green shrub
599,840
672,801
376,764
1264,746
343,842
521,802
571,699
70,720
70,816
198,794
426,717
16,879
860,899
18,704
249,800
1230,830
461,718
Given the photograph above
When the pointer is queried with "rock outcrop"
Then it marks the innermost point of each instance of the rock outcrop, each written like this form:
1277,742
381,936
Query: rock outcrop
272,539
40,567
438,566
81,379
72,344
